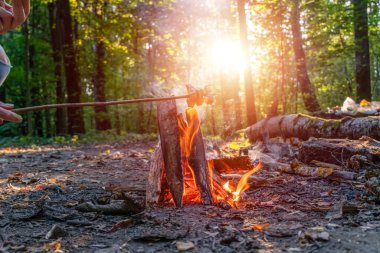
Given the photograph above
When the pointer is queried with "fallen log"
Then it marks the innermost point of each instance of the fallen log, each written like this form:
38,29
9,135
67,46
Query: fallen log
171,149
338,151
304,127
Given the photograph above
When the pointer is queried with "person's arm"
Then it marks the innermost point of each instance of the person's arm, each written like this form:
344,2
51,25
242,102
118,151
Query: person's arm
13,15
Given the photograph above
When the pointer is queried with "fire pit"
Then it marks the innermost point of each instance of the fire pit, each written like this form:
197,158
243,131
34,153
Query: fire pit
179,172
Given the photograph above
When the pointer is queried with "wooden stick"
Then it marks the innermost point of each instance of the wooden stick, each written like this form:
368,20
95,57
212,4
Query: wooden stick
197,158
98,104
171,149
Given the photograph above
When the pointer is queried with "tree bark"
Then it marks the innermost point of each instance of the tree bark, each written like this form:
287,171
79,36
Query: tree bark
154,187
248,82
102,121
56,44
308,93
363,69
27,73
197,159
75,115
304,127
171,149
341,152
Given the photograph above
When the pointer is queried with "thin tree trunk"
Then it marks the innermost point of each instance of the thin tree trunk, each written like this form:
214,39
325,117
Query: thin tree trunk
248,82
75,115
363,69
27,83
55,33
307,90
102,121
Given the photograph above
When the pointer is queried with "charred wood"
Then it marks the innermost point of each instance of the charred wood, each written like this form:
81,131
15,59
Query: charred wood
197,161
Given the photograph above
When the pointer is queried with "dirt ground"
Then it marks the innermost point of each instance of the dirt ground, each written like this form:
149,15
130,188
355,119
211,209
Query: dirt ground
44,186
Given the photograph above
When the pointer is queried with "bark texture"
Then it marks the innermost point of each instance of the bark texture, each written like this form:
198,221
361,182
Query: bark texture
55,24
341,152
363,70
198,163
154,189
248,82
171,149
304,127
308,93
102,121
75,115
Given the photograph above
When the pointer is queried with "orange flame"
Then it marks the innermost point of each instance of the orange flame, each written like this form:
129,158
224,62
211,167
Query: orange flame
226,193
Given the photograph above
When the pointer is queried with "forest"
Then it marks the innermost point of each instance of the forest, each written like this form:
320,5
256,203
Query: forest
190,126
258,58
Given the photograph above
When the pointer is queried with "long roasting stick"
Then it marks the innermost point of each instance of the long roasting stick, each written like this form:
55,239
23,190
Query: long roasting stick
98,104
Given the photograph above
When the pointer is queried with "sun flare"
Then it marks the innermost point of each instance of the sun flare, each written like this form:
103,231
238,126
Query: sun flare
226,54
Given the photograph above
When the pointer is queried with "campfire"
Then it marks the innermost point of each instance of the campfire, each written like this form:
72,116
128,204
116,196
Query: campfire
179,171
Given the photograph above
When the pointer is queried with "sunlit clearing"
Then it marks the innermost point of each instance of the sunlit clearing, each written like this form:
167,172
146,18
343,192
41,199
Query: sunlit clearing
227,55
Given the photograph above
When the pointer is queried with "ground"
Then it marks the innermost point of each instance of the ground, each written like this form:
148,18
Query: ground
44,186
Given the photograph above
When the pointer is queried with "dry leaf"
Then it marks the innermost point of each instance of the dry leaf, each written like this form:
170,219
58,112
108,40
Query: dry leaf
260,227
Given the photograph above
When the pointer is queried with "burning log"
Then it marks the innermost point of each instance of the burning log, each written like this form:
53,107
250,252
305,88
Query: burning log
233,164
171,149
304,127
197,157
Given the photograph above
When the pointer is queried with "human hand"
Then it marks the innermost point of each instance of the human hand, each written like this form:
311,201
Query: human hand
14,15
7,114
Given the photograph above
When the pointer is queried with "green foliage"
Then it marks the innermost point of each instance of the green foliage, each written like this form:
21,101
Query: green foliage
153,47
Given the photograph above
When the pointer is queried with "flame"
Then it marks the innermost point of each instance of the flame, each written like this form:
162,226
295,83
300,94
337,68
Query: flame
188,131
242,185
221,191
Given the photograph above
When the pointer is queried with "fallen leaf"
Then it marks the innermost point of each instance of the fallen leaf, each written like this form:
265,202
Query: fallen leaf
20,205
260,227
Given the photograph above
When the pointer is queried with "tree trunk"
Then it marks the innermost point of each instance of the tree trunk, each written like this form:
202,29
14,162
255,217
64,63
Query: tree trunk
75,115
248,82
102,121
363,69
29,120
304,127
308,93
56,44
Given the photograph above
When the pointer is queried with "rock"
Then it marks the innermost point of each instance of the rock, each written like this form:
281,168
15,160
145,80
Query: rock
56,232
183,246
323,236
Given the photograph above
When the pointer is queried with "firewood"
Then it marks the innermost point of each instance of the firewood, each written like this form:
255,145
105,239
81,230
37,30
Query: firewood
304,127
153,190
338,151
233,164
171,149
197,160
